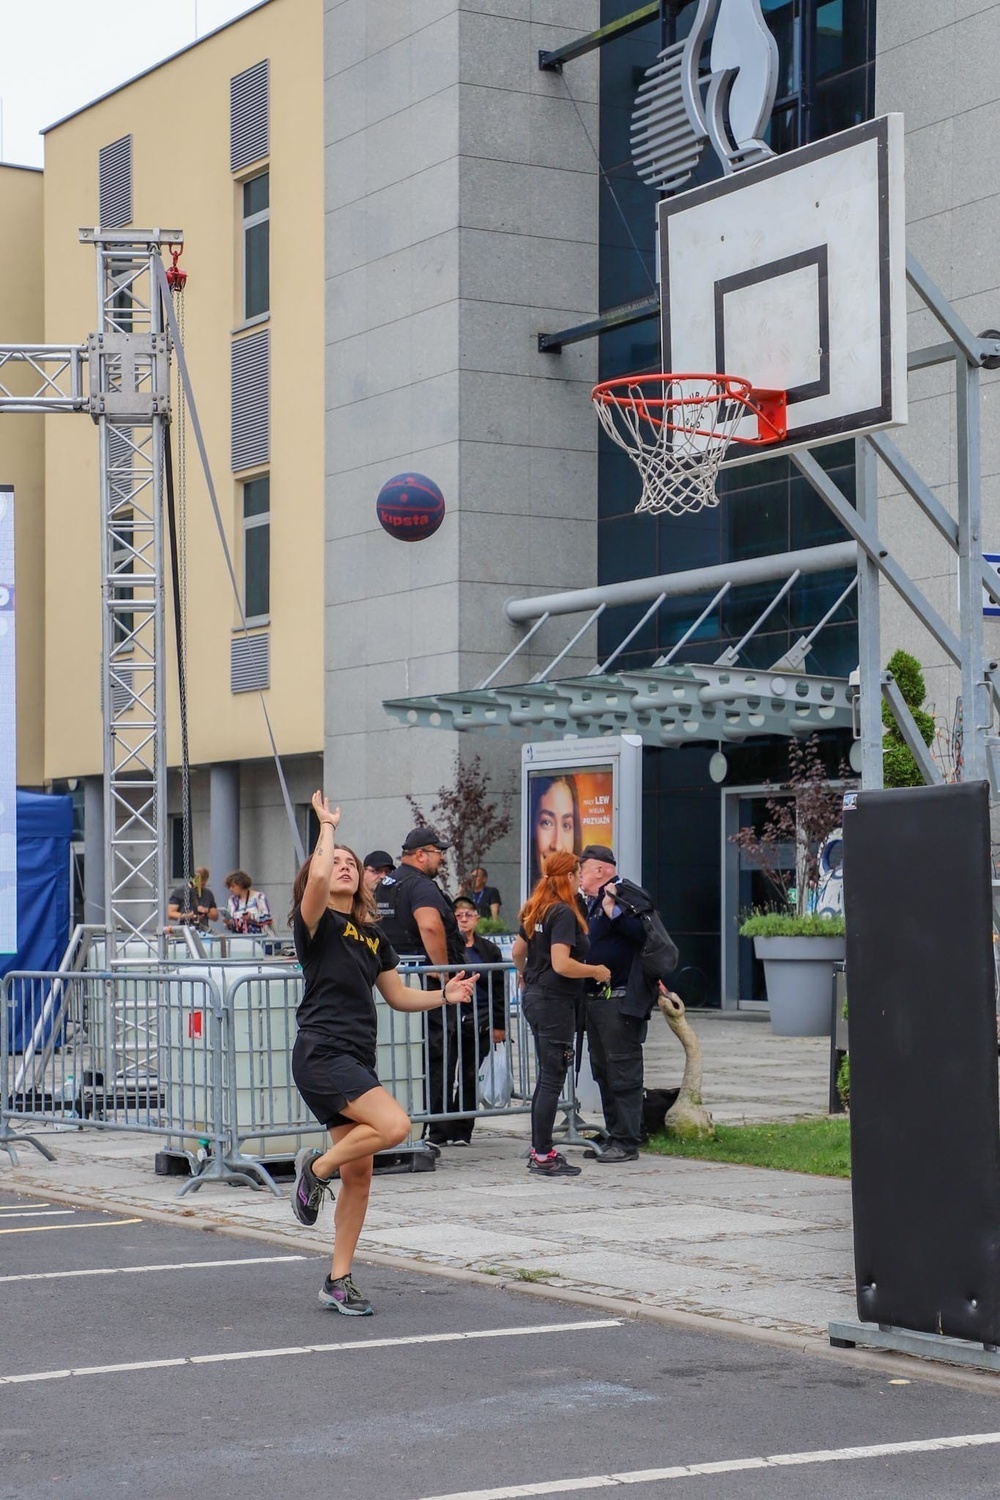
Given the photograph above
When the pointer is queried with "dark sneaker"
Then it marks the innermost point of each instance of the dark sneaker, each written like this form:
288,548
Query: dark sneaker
343,1296
308,1189
612,1154
553,1165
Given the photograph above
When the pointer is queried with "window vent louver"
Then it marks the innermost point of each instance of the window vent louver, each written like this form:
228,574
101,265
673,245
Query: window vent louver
248,107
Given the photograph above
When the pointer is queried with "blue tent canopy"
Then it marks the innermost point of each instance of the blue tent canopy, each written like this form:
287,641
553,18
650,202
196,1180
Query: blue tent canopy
44,833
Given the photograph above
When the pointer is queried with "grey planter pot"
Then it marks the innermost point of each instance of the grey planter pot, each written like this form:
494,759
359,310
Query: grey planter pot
798,972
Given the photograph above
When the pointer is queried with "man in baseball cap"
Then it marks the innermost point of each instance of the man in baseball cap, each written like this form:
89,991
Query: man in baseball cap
376,864
423,838
615,1040
417,917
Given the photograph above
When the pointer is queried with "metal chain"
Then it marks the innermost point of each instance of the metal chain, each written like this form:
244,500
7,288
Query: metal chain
181,501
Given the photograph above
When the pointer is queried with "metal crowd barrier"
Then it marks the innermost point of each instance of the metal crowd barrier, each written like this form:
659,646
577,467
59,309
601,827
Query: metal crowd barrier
199,1054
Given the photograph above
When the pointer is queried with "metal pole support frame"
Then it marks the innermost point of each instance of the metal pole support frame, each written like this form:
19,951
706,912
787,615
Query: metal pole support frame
120,375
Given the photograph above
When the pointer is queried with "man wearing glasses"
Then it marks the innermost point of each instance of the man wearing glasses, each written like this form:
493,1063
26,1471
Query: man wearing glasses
423,921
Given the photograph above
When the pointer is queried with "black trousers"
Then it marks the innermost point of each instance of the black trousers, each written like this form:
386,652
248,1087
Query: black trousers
553,1020
615,1043
456,1045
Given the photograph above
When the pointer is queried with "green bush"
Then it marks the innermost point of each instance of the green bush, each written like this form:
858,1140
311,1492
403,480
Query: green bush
765,924
898,766
492,927
844,1080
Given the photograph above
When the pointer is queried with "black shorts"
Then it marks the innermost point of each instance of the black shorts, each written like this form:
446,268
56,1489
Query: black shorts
327,1079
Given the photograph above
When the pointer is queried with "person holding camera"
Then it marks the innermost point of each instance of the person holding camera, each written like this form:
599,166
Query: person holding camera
614,1039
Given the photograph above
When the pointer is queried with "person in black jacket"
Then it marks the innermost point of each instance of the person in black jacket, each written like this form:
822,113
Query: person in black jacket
480,1025
416,917
614,1039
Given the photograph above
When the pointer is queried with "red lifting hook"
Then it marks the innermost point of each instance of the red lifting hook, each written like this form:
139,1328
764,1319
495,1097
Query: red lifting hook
175,276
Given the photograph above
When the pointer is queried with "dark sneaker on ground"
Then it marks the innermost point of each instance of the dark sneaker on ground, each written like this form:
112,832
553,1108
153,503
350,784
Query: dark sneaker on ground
343,1296
553,1165
612,1154
308,1189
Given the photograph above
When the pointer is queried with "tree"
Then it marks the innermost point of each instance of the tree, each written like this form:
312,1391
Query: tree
898,765
801,813
469,815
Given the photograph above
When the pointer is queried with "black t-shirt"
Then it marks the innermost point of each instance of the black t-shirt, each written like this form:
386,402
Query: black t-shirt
340,963
185,898
402,893
559,926
488,897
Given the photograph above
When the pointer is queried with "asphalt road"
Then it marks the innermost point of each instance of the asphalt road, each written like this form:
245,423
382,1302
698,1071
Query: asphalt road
166,1362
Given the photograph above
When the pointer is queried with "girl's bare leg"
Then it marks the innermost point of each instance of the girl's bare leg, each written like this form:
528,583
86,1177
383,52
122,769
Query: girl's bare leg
379,1123
352,1205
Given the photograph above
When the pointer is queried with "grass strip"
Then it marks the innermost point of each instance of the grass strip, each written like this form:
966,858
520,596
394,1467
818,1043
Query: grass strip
821,1146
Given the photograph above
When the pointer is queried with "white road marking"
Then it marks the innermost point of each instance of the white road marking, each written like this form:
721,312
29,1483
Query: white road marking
181,1265
725,1466
352,1347
38,1213
46,1228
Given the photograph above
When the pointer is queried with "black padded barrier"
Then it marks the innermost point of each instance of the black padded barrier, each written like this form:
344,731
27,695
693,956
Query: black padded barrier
925,1144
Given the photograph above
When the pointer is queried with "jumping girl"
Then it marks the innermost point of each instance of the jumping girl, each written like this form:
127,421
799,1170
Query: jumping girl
343,954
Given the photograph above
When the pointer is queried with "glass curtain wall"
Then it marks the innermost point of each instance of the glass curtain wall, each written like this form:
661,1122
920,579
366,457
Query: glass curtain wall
826,83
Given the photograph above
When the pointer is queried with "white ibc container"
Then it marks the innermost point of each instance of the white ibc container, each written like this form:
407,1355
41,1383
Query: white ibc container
263,1000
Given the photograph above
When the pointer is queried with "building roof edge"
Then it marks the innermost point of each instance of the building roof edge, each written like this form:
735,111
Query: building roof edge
153,68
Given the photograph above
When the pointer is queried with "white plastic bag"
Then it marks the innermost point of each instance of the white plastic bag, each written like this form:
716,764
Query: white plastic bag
495,1084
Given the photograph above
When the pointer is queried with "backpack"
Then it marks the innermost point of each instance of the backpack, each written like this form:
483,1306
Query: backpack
656,958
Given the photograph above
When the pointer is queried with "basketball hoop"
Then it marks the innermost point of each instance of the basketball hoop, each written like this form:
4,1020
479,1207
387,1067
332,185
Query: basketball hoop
678,428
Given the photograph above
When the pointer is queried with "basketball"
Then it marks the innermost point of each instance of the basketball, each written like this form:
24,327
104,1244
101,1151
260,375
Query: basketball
410,507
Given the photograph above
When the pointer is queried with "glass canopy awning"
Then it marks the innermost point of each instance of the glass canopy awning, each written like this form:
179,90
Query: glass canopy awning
672,705
672,702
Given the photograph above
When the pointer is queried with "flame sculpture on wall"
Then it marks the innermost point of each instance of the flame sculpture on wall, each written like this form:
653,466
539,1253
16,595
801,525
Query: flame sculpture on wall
679,109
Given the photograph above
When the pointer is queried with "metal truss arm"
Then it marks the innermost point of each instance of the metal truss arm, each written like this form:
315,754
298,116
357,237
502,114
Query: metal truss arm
43,377
869,541
552,61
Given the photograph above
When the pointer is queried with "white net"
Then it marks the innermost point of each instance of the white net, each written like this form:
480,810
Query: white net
676,429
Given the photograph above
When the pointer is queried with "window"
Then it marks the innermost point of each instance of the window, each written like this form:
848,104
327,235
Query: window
257,547
256,246
177,871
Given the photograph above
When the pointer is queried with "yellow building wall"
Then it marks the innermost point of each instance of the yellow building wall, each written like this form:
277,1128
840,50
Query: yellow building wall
178,117
22,456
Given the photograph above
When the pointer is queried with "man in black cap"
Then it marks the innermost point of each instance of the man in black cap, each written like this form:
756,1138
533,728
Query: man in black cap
376,865
417,917
615,1040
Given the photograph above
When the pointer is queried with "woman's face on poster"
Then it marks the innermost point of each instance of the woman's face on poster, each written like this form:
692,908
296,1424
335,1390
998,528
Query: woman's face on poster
555,822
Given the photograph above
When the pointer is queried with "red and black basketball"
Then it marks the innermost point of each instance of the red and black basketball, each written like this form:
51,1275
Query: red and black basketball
410,507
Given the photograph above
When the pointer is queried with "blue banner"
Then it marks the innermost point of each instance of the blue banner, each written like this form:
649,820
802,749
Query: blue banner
8,730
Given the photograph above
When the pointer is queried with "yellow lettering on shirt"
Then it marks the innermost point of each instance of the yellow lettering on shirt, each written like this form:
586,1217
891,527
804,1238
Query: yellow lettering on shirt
350,931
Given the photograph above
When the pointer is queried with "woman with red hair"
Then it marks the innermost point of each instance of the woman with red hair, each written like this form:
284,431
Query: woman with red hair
549,954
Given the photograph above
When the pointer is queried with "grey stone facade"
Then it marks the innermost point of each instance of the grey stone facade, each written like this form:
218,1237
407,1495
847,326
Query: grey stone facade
461,219
938,64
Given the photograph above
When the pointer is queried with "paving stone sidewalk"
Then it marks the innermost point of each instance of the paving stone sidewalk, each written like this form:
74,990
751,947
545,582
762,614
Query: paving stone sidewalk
767,1250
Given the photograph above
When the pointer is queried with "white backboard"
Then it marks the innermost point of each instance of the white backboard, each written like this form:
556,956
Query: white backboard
792,274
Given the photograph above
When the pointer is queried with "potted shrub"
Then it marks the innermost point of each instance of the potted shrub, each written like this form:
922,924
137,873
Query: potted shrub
797,947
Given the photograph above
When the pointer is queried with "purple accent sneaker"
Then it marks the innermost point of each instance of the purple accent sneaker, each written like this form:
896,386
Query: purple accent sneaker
343,1296
552,1165
308,1189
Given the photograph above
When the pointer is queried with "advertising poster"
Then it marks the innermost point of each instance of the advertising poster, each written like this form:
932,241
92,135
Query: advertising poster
568,809
8,730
